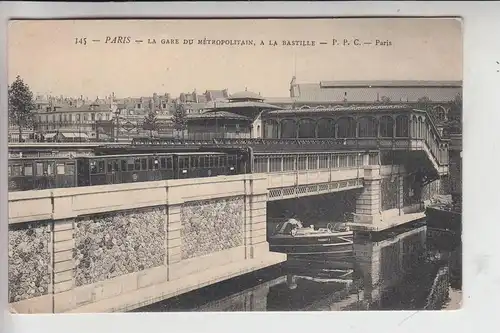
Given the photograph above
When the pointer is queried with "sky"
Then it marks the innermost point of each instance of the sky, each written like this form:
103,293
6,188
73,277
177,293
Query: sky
47,55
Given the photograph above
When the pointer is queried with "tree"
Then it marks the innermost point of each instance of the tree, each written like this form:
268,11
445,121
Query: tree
424,103
150,122
21,105
385,99
454,123
180,118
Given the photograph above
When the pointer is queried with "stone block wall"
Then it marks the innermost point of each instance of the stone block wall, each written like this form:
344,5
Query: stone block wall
368,201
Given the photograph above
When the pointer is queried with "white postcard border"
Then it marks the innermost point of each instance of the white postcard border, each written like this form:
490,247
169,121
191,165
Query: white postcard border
481,85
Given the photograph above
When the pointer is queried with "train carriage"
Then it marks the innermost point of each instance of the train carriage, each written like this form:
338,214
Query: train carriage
118,169
41,173
197,165
57,172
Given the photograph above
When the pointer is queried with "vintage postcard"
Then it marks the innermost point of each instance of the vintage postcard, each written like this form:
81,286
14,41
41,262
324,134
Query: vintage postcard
235,165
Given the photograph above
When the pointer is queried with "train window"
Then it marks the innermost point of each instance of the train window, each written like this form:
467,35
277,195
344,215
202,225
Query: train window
93,167
16,170
70,169
169,163
28,170
39,168
51,169
100,167
137,164
194,162
182,163
150,163
60,169
156,163
201,162
163,163
352,161
109,166
123,165
116,166
144,164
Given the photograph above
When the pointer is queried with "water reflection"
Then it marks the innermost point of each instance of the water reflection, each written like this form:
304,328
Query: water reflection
407,269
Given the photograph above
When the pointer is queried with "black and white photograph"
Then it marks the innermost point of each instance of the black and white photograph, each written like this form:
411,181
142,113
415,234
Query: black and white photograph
216,165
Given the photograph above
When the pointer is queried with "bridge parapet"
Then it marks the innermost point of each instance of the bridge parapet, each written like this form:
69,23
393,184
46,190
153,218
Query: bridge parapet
118,247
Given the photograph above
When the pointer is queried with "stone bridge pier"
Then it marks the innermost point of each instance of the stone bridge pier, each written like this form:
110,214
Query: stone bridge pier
390,197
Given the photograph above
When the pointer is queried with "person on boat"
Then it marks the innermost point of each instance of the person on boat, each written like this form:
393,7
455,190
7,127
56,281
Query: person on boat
295,223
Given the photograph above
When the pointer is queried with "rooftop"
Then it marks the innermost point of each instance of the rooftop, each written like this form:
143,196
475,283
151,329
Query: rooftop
240,104
246,95
217,114
352,108
391,84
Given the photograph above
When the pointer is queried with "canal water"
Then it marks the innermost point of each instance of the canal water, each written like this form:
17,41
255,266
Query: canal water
408,268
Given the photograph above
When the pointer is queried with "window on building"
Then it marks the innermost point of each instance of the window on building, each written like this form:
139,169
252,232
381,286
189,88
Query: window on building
346,128
367,127
402,126
275,164
288,163
386,127
92,116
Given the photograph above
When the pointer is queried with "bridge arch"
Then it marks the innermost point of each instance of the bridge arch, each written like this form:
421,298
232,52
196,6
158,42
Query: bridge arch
402,122
386,127
306,128
271,129
304,107
367,127
288,129
346,127
325,128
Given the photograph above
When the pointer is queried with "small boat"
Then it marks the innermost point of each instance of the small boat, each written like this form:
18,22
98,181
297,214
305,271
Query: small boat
292,238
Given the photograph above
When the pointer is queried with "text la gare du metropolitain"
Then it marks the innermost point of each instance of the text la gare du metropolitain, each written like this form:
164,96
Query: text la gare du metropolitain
232,42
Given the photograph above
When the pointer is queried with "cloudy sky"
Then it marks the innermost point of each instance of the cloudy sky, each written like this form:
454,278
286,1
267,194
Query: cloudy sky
45,54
